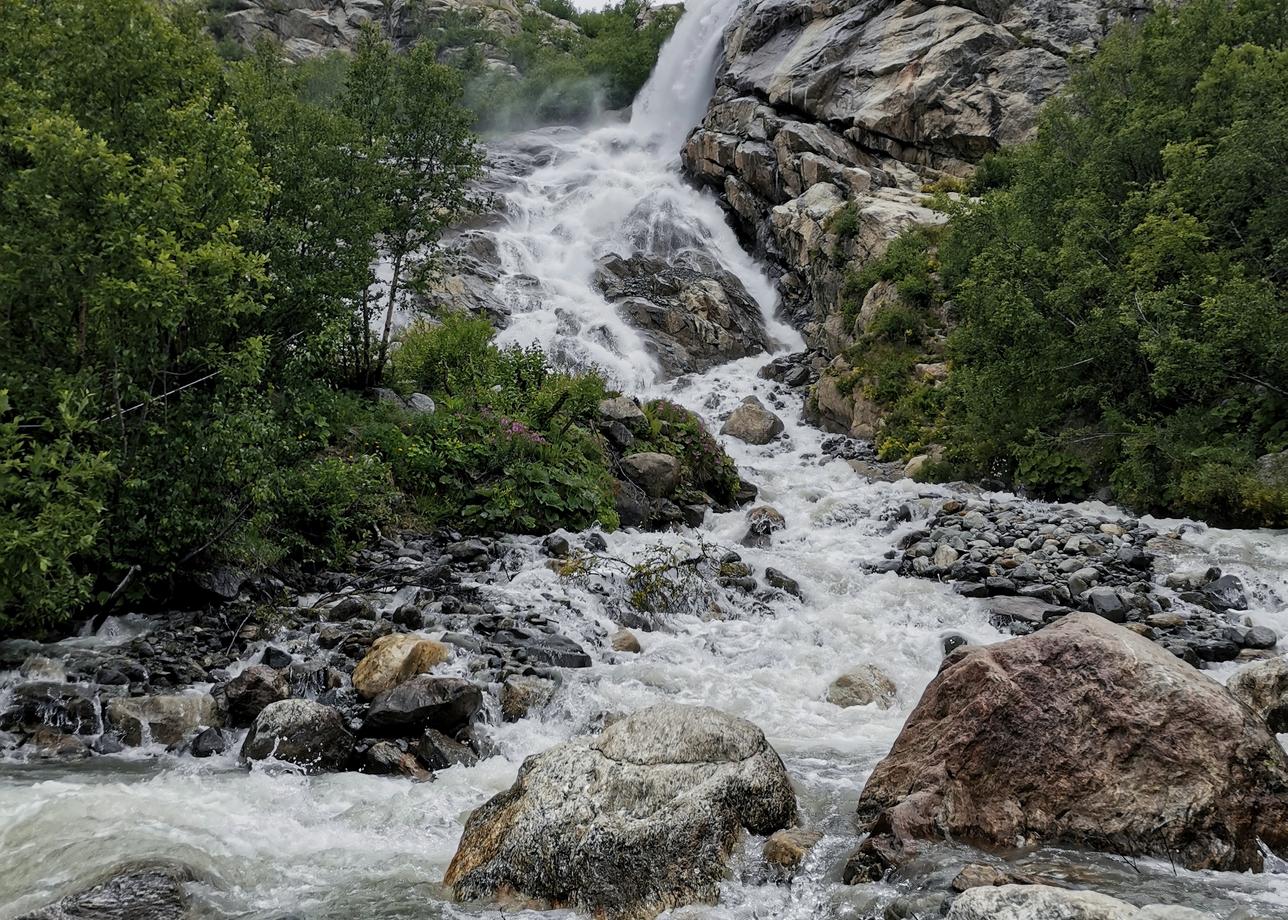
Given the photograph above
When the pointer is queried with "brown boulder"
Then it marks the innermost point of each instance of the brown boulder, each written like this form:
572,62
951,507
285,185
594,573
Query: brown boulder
1083,734
394,659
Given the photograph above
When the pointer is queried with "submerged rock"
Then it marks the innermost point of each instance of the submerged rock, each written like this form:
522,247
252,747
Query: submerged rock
631,822
864,685
138,892
166,719
301,732
1083,734
1042,902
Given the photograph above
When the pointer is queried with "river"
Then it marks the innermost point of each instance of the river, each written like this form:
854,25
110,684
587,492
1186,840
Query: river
273,844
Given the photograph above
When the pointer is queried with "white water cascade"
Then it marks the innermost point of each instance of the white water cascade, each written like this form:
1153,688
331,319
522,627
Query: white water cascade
270,845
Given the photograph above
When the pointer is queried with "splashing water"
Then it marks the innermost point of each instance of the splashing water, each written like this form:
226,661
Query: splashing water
268,845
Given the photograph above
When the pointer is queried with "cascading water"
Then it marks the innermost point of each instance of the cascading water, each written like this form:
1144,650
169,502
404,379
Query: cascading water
272,844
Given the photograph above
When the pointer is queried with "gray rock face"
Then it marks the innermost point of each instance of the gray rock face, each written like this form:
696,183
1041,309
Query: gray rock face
693,315
1081,734
139,892
631,822
864,101
1042,902
301,732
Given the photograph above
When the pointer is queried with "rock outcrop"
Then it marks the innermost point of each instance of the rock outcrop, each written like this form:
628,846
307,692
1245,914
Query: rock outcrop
821,107
1083,734
144,891
628,823
693,315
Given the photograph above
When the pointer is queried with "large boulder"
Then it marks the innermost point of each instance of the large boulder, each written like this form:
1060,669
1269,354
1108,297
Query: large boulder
303,732
396,658
753,423
636,820
1263,687
68,707
443,703
1043,902
1082,734
143,891
693,315
162,719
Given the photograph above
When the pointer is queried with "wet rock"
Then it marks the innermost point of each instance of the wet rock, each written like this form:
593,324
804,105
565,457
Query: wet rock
557,546
862,686
762,521
444,703
1043,902
1263,687
50,743
222,582
381,668
40,668
978,875
631,503
788,848
301,732
1083,734
1022,615
692,313
625,641
657,474
208,743
521,695
639,819
438,752
1226,593
352,608
384,758
468,551
752,423
246,695
782,582
276,658
166,719
69,707
134,892
1260,637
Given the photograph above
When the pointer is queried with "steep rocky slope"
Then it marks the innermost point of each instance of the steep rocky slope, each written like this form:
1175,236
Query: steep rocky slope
821,104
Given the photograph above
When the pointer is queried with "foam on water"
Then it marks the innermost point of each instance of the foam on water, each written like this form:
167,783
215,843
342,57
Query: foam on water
271,843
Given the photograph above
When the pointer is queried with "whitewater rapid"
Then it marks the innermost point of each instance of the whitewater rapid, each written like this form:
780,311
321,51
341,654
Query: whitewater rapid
269,845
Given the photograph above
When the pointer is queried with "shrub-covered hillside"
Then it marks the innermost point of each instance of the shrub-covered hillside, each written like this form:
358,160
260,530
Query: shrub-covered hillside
1118,291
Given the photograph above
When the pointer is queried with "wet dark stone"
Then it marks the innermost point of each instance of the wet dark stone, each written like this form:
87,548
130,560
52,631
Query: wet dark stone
247,694
782,582
208,742
351,608
548,648
137,892
66,706
557,545
444,703
276,658
438,752
1226,593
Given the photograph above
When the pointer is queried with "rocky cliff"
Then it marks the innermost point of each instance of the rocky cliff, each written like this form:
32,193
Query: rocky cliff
822,105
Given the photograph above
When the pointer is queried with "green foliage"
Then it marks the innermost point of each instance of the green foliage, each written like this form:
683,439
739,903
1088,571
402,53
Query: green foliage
52,493
571,64
1121,285
705,469
660,580
511,448
908,261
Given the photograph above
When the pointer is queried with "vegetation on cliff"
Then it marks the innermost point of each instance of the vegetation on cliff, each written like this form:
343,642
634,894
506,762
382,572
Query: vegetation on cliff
1118,288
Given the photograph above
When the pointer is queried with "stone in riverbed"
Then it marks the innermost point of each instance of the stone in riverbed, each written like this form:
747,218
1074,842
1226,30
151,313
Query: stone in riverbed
1082,734
1043,902
626,824
862,686
788,848
396,658
69,707
246,695
143,891
301,732
625,641
166,719
438,752
521,695
444,703
752,423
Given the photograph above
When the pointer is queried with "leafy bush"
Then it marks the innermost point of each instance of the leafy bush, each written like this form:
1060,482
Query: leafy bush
1121,284
705,469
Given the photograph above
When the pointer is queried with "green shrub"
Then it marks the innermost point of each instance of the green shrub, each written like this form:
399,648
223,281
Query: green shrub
705,469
